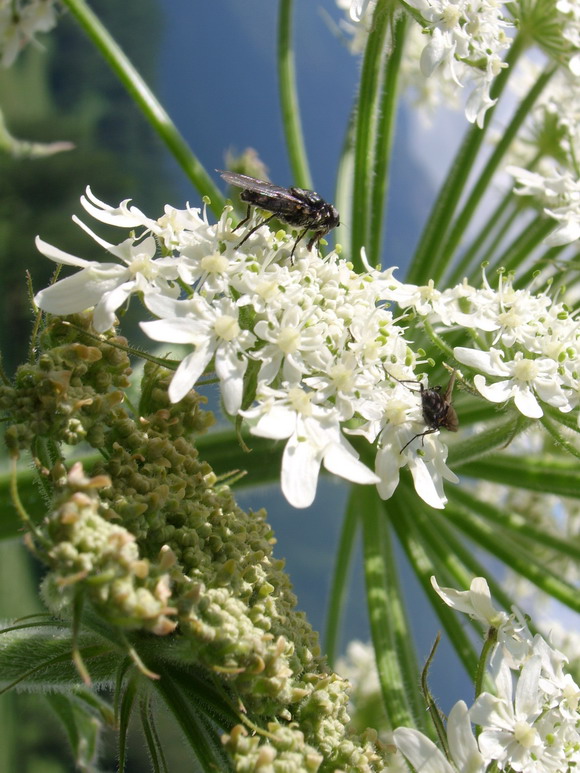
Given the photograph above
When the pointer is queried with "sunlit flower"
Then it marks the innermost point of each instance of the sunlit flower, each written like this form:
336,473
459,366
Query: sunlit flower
314,437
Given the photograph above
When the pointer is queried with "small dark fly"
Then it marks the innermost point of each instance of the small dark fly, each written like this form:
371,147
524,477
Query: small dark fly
297,207
436,408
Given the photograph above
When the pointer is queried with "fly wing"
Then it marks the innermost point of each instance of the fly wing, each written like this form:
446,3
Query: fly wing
259,186
449,390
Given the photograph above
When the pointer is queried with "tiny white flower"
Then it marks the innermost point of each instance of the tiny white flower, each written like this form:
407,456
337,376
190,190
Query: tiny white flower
215,332
523,378
314,438
106,286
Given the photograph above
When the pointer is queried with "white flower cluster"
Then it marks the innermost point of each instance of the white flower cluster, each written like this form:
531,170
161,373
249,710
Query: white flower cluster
466,42
551,143
20,22
569,11
529,723
527,343
309,351
318,340
560,193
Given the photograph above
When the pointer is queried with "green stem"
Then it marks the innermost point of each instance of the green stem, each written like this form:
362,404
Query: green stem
518,526
522,245
559,438
342,566
384,139
469,450
463,219
289,98
144,97
417,552
366,131
514,555
344,181
442,213
437,340
486,651
391,637
500,219
550,256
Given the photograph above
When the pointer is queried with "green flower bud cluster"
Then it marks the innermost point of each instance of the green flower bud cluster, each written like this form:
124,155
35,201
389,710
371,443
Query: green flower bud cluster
67,393
286,751
84,547
155,542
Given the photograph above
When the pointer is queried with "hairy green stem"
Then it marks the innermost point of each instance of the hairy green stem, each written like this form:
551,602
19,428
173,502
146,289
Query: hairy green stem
289,99
146,100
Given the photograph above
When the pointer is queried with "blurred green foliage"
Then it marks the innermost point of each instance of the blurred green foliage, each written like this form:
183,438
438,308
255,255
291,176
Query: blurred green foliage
61,89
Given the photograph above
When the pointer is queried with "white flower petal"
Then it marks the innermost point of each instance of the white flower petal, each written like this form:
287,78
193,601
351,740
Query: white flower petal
495,393
462,744
300,468
190,369
526,403
104,315
341,460
230,369
421,752
430,490
176,330
80,291
61,257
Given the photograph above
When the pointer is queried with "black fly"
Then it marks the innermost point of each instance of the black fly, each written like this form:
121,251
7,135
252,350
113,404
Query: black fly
436,409
297,207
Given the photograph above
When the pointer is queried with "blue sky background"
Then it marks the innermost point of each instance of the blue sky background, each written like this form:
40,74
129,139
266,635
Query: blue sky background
218,81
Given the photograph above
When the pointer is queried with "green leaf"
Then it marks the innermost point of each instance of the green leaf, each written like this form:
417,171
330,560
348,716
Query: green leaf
406,508
560,477
514,555
342,565
31,496
366,130
428,261
40,657
518,526
392,639
223,452
82,728
154,747
125,709
201,734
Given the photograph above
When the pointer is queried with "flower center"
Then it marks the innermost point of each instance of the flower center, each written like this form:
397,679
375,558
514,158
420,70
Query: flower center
215,264
525,734
288,339
142,264
227,327
342,377
525,370
300,401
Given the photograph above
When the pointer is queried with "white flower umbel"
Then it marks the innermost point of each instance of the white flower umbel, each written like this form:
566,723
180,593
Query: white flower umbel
305,345
530,720
107,286
462,44
533,343
467,40
560,196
